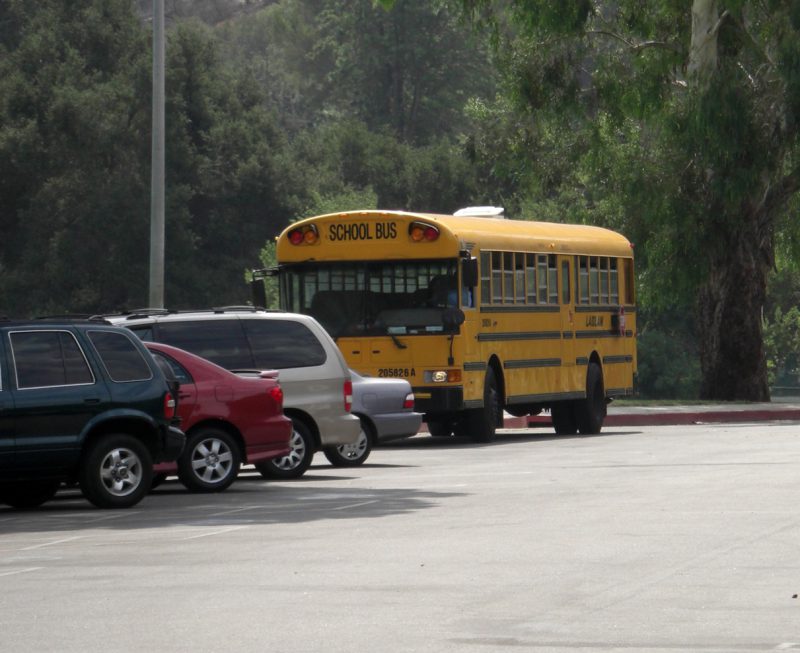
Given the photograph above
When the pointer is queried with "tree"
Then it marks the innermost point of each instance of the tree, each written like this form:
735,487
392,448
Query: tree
74,125
75,84
714,93
408,71
231,182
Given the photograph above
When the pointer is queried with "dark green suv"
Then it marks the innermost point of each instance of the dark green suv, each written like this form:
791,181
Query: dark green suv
81,402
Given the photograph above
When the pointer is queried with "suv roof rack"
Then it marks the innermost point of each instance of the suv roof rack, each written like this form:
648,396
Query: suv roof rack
68,317
138,313
244,307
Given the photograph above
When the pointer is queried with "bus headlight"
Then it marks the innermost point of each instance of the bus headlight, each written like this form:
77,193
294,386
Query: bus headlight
442,376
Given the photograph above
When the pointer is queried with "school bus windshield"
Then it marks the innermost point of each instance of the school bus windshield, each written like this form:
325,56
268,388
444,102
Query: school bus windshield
376,298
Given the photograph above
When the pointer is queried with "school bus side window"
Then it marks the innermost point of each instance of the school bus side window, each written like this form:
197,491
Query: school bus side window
552,279
497,278
582,274
486,278
519,278
627,265
530,276
565,288
614,282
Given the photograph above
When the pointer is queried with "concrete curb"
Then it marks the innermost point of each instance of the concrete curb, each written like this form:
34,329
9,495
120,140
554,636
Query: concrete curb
646,417
673,415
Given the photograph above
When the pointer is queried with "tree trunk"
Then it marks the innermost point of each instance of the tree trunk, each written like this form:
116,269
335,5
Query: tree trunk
729,320
703,48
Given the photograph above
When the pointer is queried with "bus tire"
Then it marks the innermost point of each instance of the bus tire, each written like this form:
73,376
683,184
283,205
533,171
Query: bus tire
482,423
562,414
591,412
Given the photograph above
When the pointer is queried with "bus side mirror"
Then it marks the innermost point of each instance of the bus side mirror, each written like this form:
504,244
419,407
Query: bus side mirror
452,318
469,272
259,293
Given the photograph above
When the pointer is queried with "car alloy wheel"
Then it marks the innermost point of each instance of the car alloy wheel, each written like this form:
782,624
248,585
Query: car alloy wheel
210,462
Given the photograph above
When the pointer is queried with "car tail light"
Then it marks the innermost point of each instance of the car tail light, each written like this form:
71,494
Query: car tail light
276,392
409,401
348,396
169,405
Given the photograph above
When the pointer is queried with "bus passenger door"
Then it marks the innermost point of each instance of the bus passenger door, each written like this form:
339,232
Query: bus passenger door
471,353
567,305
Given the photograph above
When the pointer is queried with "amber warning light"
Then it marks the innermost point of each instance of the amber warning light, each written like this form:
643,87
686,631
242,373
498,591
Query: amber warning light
307,235
421,231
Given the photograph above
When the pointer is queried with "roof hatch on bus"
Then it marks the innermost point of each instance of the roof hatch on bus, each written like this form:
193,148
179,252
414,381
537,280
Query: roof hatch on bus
481,212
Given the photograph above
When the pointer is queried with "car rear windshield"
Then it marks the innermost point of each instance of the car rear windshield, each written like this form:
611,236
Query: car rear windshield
123,361
221,341
282,344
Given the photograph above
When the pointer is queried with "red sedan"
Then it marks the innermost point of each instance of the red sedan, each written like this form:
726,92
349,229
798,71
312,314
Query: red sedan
229,420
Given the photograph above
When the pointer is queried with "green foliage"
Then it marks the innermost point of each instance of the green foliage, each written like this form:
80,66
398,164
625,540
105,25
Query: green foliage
269,260
75,163
782,343
345,157
346,200
408,70
73,126
668,366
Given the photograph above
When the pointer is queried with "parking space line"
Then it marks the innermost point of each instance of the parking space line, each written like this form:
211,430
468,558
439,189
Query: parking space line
355,505
44,544
220,532
20,571
234,510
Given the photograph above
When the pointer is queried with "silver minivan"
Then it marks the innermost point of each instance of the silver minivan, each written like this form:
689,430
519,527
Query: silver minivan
316,382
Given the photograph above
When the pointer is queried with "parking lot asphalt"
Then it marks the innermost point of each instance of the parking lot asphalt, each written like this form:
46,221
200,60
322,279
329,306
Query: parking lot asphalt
642,539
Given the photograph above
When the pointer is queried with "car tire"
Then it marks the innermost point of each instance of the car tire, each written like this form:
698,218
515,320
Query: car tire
210,461
297,461
591,412
116,471
24,495
352,455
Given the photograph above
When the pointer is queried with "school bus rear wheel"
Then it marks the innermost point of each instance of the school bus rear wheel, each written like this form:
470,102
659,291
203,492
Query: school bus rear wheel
591,412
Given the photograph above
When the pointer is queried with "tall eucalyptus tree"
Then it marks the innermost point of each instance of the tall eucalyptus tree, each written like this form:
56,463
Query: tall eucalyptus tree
705,99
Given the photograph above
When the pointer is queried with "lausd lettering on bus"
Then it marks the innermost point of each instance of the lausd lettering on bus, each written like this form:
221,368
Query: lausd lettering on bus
362,231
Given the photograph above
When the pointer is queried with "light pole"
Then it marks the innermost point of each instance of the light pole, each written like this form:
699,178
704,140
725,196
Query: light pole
157,163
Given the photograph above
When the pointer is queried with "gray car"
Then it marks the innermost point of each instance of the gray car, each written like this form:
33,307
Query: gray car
386,410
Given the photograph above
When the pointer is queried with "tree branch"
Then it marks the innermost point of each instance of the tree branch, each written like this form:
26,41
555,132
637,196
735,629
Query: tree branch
635,47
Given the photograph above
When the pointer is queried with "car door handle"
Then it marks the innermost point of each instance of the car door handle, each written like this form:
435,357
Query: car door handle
184,395
92,400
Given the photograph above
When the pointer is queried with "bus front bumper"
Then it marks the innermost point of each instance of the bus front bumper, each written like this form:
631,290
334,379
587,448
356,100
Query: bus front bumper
431,400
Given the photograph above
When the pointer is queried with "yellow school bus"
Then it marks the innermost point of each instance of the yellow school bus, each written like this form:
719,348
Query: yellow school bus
479,313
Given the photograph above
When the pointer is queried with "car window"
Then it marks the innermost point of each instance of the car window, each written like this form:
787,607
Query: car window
123,361
220,341
282,344
48,358
172,368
